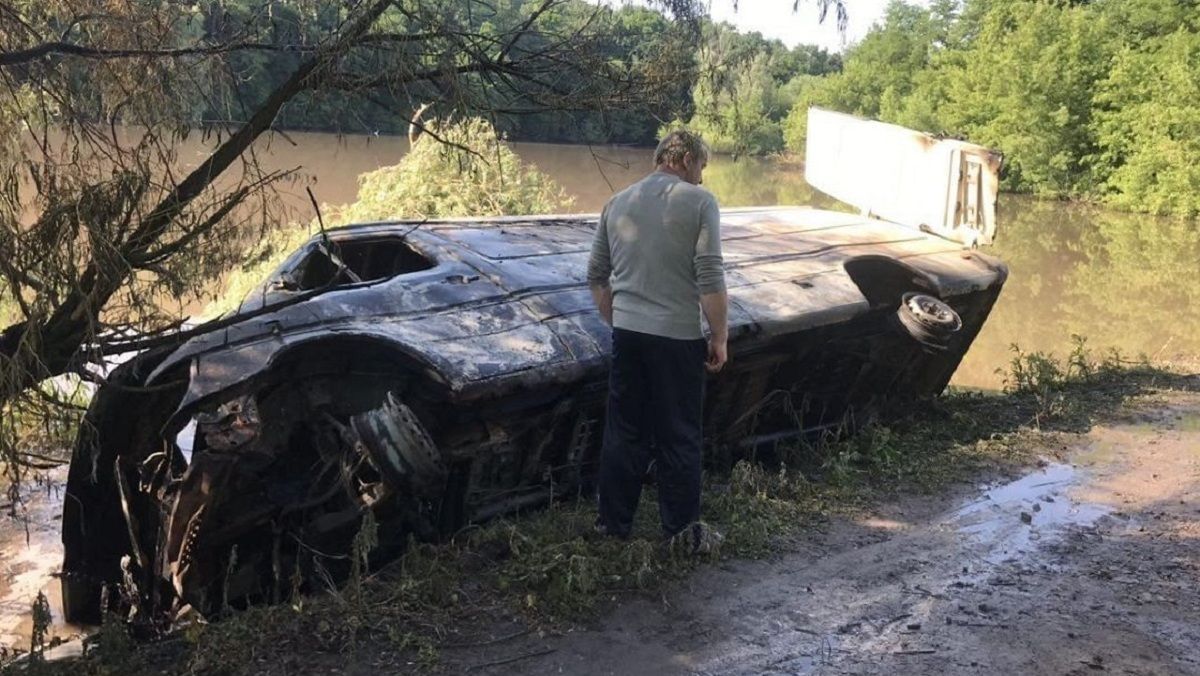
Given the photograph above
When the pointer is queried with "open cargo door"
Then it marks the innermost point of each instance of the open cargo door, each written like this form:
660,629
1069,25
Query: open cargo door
943,186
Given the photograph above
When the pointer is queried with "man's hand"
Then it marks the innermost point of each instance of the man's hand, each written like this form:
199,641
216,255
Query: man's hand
603,296
717,353
716,311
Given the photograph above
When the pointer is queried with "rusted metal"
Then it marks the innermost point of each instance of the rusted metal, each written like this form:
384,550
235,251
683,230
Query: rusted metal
943,185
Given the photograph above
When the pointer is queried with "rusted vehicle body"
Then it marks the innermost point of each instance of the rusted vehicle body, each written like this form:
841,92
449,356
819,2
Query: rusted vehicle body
440,373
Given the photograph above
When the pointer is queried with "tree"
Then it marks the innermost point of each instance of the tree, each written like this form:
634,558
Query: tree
98,216
471,174
745,85
878,74
1025,86
735,96
1148,126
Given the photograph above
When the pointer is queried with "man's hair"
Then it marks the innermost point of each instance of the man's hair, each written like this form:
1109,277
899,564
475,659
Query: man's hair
676,144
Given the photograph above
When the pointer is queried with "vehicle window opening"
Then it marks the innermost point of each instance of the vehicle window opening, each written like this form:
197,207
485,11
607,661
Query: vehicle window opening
354,261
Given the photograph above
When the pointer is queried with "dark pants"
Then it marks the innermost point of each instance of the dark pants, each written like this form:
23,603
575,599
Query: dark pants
655,411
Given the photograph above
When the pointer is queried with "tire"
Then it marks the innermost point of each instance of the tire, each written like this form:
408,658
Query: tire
927,320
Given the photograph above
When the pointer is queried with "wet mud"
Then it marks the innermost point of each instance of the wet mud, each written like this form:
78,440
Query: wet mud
30,556
1087,565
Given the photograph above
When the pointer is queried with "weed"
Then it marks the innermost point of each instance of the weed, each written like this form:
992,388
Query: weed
41,627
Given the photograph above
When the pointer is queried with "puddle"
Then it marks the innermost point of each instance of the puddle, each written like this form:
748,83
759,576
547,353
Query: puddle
1188,422
30,555
1011,518
807,655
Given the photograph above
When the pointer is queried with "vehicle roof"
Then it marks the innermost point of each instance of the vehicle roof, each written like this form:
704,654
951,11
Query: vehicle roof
760,244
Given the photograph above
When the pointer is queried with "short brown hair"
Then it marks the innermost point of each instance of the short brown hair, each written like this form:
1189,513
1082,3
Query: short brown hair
678,143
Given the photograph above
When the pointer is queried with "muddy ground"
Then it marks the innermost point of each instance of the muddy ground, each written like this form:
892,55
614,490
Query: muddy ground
1089,564
30,555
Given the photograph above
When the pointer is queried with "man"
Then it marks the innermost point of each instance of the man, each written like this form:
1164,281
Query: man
655,263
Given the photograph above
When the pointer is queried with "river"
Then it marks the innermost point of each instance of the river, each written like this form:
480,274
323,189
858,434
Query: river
1125,282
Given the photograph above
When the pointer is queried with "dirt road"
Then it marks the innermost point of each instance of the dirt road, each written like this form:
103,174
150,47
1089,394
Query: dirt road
1090,564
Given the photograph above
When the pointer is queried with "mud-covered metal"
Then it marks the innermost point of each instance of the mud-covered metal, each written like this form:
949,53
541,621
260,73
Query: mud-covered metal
401,448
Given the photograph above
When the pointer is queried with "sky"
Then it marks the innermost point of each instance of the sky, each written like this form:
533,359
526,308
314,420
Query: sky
775,19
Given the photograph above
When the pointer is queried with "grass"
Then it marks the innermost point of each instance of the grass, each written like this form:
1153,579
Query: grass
547,569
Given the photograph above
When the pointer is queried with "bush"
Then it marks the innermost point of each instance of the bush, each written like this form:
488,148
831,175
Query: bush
1150,126
471,172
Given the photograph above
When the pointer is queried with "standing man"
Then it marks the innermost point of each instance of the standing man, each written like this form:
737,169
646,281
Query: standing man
655,263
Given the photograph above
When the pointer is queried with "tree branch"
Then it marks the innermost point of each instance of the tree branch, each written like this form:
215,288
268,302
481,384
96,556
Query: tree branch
45,49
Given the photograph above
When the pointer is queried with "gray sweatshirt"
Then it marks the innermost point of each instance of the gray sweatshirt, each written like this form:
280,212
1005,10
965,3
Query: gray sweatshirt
659,241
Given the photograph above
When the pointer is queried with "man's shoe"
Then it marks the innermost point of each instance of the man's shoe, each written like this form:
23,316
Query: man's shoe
601,530
698,539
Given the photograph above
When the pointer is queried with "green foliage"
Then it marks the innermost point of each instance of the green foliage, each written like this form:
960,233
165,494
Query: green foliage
1149,125
874,447
1050,382
745,87
736,100
264,255
1025,85
45,422
632,35
795,126
470,173
878,74
637,35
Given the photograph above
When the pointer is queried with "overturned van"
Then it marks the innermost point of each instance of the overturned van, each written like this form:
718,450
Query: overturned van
441,373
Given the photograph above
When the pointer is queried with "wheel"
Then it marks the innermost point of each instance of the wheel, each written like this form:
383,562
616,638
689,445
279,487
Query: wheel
927,320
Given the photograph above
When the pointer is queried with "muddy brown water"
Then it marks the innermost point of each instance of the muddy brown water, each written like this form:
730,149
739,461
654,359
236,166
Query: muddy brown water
1126,282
